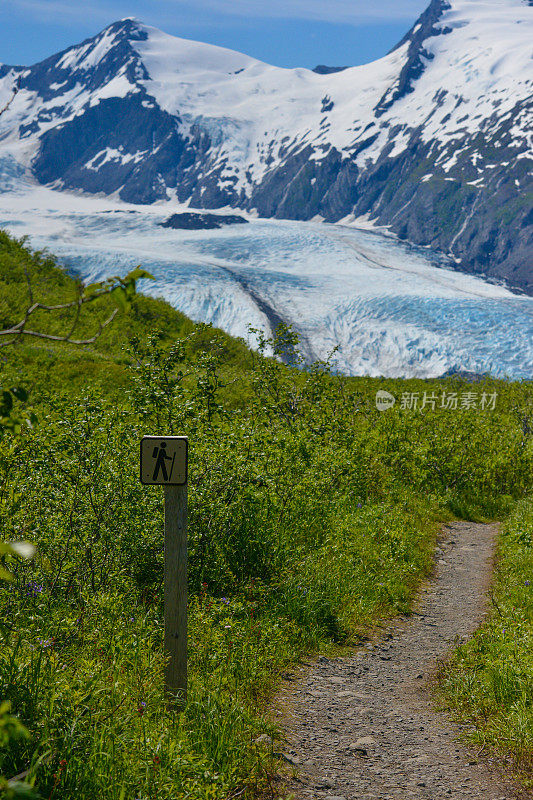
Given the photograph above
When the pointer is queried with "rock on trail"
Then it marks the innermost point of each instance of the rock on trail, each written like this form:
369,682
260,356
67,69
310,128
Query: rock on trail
365,727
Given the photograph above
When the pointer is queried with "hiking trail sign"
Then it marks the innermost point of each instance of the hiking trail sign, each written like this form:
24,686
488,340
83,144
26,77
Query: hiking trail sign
164,463
164,460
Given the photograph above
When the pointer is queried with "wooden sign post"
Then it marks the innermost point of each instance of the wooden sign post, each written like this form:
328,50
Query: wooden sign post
164,462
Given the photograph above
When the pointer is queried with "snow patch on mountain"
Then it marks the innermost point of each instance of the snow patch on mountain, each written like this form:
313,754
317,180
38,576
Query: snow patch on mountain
434,140
254,113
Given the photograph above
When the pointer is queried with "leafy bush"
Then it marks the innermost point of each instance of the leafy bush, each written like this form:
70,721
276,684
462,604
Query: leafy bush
489,680
311,514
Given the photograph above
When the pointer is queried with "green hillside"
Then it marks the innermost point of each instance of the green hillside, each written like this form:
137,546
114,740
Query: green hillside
104,363
311,515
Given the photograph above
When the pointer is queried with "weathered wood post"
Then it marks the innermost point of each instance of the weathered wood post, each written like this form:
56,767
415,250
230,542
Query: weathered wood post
176,592
164,462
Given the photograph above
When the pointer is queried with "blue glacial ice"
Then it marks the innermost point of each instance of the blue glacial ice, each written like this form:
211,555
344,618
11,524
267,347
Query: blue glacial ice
388,307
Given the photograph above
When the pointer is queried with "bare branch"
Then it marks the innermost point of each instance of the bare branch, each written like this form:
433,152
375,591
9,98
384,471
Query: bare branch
121,289
20,328
76,318
67,338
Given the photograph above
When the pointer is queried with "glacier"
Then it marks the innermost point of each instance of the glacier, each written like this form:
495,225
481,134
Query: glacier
386,307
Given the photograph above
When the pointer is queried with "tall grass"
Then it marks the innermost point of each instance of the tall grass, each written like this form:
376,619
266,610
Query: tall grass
311,514
489,680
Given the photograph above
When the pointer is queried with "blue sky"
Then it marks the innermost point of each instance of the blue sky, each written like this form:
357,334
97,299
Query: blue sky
287,33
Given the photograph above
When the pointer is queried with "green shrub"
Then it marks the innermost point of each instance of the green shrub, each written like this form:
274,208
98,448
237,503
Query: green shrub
311,514
489,680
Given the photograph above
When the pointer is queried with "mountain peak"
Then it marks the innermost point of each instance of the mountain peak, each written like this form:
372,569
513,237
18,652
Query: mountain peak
108,59
433,139
426,26
128,26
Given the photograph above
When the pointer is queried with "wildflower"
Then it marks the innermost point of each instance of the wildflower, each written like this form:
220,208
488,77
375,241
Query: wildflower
33,589
359,505
526,583
142,706
224,600
157,760
57,775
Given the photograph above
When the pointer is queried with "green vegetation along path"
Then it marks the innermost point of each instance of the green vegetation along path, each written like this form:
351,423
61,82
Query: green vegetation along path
366,728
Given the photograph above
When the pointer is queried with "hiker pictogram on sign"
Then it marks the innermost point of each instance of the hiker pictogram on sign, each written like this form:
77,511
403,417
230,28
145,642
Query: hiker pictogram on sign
164,460
161,456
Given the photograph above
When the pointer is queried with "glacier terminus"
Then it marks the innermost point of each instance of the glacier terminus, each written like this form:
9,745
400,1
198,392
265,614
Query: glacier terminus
389,205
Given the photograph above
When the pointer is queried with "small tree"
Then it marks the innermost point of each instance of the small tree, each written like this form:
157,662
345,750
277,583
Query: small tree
120,290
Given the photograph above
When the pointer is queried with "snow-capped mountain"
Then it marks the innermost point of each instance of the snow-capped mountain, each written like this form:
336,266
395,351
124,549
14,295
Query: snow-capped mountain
433,140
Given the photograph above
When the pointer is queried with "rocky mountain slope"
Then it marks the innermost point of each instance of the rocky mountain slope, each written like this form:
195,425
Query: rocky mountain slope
433,140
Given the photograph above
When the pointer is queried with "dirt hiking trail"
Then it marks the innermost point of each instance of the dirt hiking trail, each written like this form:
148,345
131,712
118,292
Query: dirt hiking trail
365,727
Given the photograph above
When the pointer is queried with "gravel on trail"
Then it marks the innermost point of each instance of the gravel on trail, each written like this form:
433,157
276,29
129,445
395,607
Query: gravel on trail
365,727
